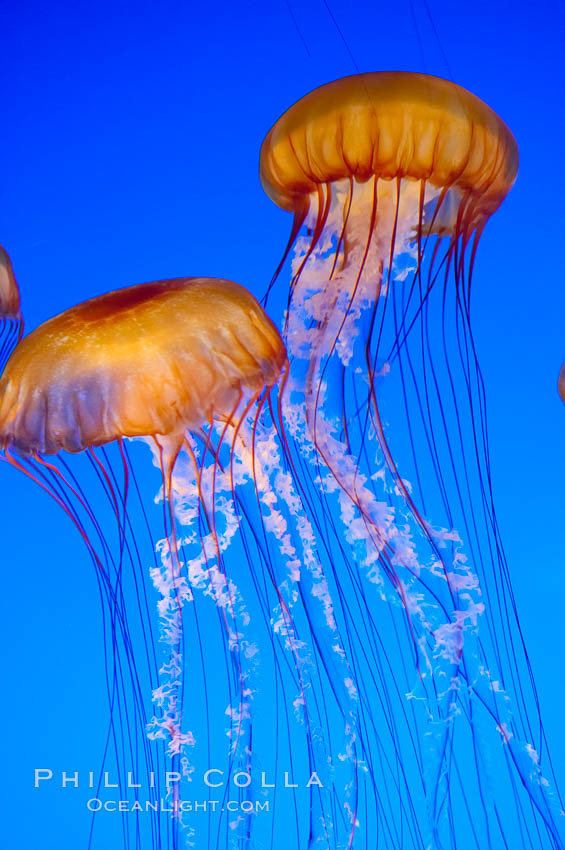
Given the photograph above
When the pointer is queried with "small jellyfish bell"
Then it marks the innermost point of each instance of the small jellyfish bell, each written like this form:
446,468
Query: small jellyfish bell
11,324
391,178
561,382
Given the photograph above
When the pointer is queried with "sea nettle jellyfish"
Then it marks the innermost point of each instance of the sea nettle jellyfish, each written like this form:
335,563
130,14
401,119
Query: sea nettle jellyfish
391,178
11,324
189,368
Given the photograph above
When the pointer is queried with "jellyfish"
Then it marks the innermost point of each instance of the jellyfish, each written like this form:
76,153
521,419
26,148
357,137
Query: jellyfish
11,324
391,178
206,562
561,383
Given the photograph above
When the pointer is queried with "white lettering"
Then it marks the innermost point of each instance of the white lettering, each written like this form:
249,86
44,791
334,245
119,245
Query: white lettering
207,778
107,783
41,774
73,779
242,784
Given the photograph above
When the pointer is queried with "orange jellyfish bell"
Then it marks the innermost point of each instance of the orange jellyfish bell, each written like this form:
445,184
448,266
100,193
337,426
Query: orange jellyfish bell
561,382
9,292
153,359
11,324
391,178
190,365
388,125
